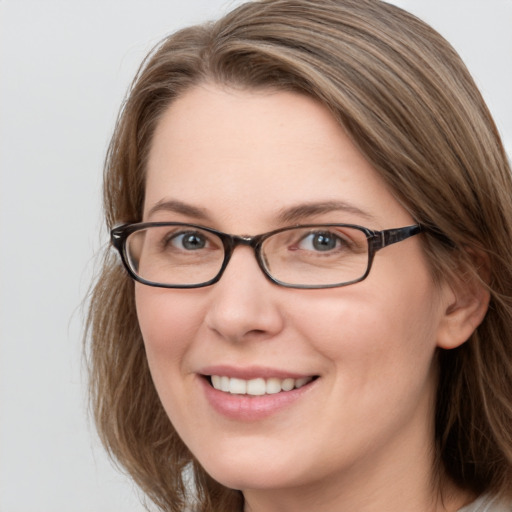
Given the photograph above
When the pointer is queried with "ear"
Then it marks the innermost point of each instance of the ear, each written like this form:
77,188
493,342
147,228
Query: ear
466,303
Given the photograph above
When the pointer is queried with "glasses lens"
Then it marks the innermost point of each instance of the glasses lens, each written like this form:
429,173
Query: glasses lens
174,254
316,256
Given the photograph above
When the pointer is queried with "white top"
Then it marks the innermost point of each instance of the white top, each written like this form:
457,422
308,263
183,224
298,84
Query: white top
487,503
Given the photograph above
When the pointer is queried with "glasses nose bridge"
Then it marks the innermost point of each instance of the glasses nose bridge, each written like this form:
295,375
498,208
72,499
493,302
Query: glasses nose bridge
231,242
249,241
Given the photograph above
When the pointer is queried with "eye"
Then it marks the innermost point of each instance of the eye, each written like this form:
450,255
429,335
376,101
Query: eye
189,241
321,241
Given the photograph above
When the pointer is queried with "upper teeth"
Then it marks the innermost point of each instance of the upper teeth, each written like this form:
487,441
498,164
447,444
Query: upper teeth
257,386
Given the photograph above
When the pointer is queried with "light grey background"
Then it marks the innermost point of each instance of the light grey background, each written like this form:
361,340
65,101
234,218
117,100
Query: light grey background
64,68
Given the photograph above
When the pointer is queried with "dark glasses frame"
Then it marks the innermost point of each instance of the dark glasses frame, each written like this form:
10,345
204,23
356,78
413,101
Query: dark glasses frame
376,240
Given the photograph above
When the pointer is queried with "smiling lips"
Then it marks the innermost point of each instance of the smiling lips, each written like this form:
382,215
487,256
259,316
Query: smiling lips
253,394
258,386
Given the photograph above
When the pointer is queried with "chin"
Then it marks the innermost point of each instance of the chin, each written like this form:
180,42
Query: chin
255,470
251,478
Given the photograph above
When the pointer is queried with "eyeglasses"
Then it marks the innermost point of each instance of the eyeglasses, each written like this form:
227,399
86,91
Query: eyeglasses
178,255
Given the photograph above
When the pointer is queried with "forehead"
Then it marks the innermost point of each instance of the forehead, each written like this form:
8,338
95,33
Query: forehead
243,156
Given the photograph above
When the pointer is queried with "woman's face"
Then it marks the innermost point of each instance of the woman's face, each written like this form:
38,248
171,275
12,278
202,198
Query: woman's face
245,163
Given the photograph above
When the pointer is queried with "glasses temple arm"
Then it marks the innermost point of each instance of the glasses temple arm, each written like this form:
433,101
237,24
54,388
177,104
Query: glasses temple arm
392,236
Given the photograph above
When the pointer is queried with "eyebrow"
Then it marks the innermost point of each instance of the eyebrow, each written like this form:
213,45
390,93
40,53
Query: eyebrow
289,215
175,206
303,211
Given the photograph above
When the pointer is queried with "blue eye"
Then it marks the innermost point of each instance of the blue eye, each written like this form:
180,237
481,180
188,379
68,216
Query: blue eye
190,241
320,241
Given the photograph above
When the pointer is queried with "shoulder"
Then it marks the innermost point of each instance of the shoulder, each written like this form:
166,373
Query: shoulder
488,503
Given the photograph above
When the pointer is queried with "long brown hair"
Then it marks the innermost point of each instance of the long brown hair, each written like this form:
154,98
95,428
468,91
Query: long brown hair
405,98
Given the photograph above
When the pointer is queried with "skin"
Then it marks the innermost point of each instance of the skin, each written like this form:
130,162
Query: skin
360,437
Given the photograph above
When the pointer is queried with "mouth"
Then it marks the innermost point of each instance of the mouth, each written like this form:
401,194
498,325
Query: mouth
249,394
257,387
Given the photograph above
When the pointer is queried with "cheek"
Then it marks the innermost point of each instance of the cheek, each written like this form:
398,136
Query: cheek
375,334
168,323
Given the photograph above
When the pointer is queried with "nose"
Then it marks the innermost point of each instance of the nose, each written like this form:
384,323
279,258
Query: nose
244,304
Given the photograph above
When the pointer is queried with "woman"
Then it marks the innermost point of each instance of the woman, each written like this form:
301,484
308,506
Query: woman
313,206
